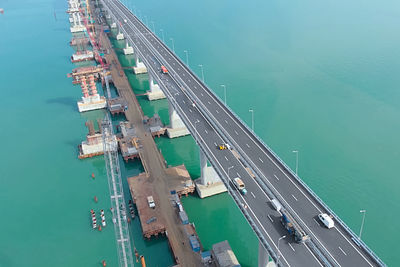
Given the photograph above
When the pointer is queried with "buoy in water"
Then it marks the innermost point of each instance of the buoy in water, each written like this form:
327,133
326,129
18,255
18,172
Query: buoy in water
129,220
100,228
104,263
93,175
95,199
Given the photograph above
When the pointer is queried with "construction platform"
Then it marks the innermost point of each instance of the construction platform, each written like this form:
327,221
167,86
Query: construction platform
93,145
141,187
150,218
154,125
117,106
128,141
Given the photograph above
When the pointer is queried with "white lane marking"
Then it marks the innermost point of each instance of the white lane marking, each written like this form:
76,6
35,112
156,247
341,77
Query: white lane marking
183,74
313,255
209,102
290,245
248,145
217,111
206,131
261,160
269,216
226,158
342,251
294,197
238,174
236,132
184,102
200,93
276,177
353,246
226,121
190,110
252,194
215,144
316,222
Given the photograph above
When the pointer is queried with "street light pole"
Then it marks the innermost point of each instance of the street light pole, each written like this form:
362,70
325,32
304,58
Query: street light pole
145,17
362,222
154,28
224,86
297,160
173,45
279,252
202,72
162,34
252,118
187,57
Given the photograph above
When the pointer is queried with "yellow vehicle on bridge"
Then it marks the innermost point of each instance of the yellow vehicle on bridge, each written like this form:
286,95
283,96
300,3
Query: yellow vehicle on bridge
223,146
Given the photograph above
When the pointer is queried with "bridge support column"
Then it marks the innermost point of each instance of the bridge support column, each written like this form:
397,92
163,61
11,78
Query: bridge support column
140,68
155,92
263,257
209,183
120,36
128,50
176,128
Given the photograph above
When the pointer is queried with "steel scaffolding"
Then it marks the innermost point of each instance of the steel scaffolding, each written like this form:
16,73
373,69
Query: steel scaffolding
118,208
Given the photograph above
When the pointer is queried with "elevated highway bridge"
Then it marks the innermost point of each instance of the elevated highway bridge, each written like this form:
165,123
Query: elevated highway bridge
211,123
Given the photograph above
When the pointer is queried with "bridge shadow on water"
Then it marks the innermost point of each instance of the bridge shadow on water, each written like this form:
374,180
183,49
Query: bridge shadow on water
66,101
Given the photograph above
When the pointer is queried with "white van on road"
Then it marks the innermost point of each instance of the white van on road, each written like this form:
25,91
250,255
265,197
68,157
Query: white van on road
326,220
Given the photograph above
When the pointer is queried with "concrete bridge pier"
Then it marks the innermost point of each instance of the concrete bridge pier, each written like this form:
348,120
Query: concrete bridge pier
155,92
176,128
128,50
263,257
120,36
209,183
139,68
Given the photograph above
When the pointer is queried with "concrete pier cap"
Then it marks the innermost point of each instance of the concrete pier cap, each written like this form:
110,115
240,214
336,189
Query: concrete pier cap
155,92
176,128
209,183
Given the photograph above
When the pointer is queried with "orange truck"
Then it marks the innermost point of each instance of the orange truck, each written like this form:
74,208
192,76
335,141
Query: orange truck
164,69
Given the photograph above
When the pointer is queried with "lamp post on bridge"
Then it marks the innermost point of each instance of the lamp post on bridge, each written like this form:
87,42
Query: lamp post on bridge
362,222
187,57
145,18
297,160
173,45
202,71
162,34
154,28
252,118
279,252
224,86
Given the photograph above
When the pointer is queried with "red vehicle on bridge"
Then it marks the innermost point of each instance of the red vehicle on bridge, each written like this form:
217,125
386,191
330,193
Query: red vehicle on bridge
164,69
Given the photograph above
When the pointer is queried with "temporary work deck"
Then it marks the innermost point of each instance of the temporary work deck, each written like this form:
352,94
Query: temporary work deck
151,220
152,161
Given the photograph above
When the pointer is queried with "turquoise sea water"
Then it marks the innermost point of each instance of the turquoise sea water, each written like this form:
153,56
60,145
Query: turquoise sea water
322,78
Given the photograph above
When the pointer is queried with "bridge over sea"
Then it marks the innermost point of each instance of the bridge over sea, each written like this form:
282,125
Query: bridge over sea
265,175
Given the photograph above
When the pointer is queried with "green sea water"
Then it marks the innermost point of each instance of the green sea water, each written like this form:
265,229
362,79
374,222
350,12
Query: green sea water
322,78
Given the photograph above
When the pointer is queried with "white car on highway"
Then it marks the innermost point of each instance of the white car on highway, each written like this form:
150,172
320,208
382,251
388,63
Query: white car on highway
326,220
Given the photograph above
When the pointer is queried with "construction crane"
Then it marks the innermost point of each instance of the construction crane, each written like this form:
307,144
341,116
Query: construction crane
118,206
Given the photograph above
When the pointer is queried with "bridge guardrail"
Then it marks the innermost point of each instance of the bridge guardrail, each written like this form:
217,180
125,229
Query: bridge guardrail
283,164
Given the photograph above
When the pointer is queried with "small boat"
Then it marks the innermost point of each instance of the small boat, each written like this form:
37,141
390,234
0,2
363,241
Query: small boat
103,218
94,222
2,10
